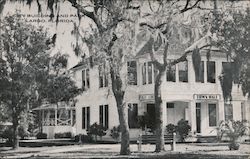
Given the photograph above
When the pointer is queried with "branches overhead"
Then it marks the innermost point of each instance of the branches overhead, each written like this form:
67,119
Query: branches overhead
190,6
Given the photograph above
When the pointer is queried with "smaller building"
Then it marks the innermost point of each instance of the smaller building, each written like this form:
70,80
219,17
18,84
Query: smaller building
57,118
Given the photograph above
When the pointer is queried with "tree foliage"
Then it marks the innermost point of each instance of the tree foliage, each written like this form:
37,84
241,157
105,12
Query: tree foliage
28,72
233,39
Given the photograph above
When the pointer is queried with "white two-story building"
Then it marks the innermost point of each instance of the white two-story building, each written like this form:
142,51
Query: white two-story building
194,97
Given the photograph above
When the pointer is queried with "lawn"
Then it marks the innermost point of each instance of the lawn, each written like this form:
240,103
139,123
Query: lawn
189,151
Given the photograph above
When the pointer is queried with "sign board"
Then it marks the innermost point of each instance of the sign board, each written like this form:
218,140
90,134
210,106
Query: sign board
146,97
206,96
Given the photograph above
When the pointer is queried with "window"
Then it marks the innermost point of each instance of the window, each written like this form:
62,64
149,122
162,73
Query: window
212,114
228,111
144,74
85,79
133,115
199,76
171,73
170,105
132,72
148,73
104,116
85,117
242,111
73,117
211,71
183,71
103,78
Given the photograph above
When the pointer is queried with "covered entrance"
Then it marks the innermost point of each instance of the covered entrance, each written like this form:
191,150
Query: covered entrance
206,114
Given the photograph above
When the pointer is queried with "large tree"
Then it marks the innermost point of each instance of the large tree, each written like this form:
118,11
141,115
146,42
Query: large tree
28,69
233,39
163,25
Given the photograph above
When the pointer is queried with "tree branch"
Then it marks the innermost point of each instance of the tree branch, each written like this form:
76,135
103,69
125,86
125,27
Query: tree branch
89,14
186,8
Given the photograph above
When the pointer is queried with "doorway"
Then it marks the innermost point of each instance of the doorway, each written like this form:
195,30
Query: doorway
151,115
198,117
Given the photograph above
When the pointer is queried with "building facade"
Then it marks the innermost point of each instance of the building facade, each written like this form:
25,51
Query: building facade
194,97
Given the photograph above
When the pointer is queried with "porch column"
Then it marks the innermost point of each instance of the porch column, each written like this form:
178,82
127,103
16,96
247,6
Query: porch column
55,117
192,119
221,112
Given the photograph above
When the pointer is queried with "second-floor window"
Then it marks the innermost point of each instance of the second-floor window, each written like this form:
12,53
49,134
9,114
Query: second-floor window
148,73
133,115
183,71
85,117
132,72
211,71
171,76
199,76
85,79
103,77
104,116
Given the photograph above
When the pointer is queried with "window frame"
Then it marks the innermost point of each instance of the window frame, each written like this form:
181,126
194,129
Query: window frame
103,77
85,117
200,78
211,72
133,72
212,118
85,79
228,108
185,63
104,115
171,70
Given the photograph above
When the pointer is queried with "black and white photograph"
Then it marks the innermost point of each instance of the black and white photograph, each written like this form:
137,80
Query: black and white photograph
125,79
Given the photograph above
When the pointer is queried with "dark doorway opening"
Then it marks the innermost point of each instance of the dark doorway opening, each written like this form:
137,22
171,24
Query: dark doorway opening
151,116
198,117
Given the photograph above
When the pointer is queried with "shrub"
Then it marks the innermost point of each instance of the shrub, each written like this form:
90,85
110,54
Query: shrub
183,128
7,133
96,130
171,128
145,121
115,132
84,138
41,135
63,135
22,133
234,130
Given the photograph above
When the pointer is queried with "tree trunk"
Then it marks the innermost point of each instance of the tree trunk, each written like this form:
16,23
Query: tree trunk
15,143
158,114
125,149
119,96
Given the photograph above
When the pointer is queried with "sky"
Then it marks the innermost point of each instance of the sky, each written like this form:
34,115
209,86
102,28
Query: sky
68,15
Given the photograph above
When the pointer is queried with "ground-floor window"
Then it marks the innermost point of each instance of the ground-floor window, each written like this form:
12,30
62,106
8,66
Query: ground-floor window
228,111
85,117
212,114
133,115
104,116
242,111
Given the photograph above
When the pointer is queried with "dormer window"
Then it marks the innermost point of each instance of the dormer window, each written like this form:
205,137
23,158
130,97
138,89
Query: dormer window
85,79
